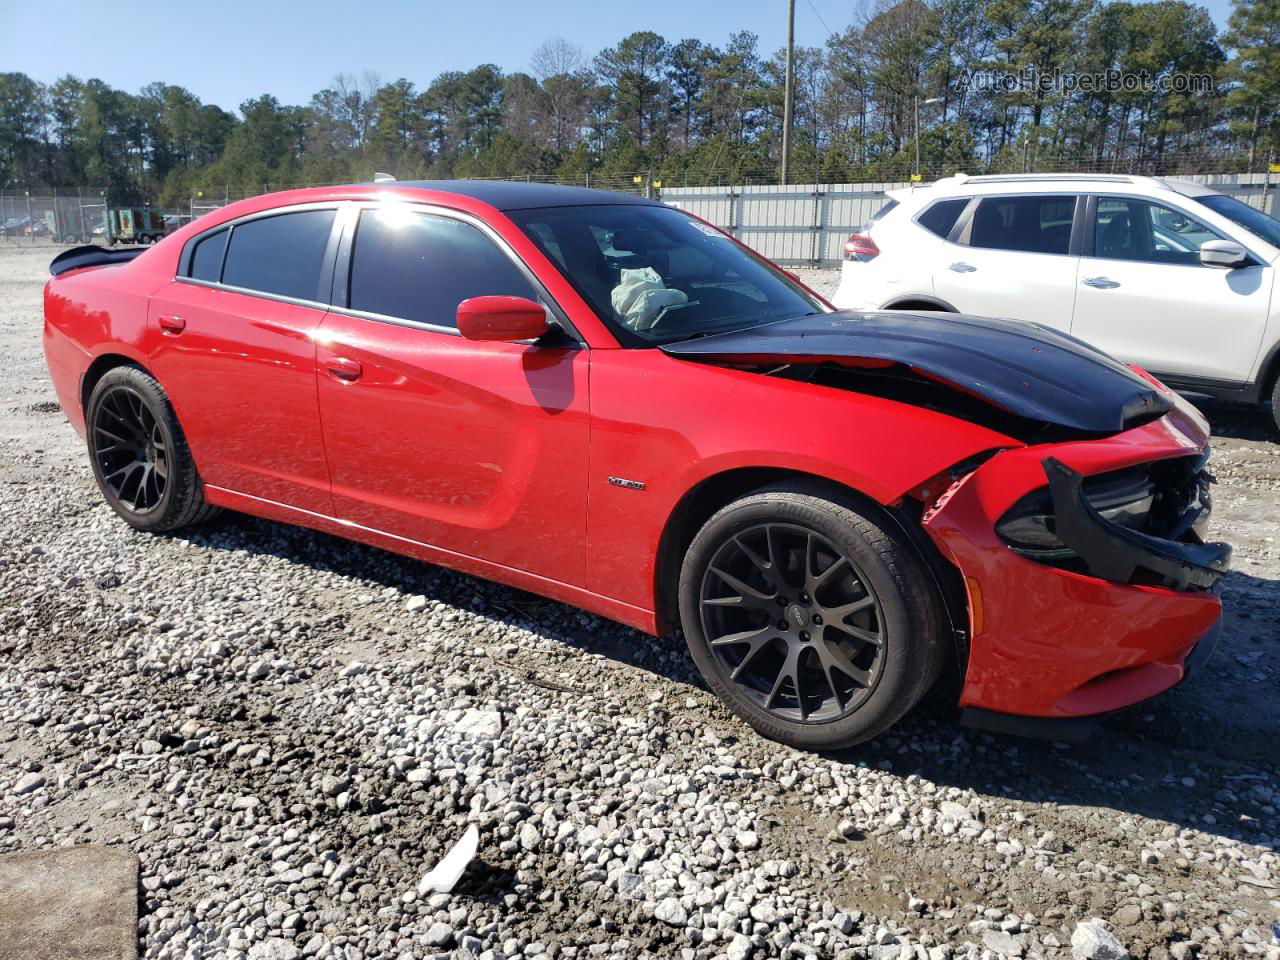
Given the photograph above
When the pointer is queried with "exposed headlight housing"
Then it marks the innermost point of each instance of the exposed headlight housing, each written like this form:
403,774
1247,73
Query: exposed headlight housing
1125,497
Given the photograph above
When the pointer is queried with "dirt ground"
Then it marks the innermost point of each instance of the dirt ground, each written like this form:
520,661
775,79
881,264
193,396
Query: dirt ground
290,730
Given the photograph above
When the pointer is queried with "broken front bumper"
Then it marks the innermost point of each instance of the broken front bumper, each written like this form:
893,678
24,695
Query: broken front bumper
1120,626
1116,553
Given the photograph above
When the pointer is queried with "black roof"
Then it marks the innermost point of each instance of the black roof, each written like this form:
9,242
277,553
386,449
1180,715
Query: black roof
514,195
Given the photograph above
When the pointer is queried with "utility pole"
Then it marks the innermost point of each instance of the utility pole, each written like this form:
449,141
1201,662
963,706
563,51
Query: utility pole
788,94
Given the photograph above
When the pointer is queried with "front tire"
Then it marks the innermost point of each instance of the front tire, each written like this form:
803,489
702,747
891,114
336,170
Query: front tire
139,453
1275,403
813,621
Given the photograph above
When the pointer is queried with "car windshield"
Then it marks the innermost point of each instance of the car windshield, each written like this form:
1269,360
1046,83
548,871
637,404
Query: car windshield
656,275
1255,221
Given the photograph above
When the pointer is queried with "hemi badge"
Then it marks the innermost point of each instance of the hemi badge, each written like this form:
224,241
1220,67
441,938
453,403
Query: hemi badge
624,482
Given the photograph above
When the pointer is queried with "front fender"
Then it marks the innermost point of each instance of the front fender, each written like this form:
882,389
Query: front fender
664,426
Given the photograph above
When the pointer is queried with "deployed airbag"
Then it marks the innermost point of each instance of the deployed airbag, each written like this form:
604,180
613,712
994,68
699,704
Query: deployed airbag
641,296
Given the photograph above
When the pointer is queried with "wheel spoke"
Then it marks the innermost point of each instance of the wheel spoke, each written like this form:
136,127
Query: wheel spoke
833,657
866,636
822,579
114,436
766,565
127,469
742,636
778,681
748,596
841,613
752,652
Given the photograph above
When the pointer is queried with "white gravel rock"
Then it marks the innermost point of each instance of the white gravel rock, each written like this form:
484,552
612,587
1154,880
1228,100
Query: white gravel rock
1091,940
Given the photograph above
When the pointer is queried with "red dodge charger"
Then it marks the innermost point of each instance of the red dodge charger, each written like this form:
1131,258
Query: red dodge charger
610,402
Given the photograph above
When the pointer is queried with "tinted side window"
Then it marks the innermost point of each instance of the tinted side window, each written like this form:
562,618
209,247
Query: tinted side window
416,266
206,259
283,254
1137,230
1034,224
942,216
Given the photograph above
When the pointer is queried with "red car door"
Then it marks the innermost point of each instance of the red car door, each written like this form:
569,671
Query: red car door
234,348
477,448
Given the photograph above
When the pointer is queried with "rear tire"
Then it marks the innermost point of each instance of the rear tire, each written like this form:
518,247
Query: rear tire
813,621
139,453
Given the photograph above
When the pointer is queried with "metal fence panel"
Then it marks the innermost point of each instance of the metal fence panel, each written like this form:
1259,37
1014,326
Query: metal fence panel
808,224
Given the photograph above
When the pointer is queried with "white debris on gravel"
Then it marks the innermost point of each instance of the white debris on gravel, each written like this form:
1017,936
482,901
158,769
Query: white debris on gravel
287,727
1091,940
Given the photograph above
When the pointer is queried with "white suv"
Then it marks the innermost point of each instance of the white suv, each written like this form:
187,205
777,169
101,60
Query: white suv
1168,274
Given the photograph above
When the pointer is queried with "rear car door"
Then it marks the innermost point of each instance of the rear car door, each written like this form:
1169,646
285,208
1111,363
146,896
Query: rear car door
1144,296
1014,256
235,352
477,448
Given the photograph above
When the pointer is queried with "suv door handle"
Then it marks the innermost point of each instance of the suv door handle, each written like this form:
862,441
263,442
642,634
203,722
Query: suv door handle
341,368
172,324
1102,283
960,267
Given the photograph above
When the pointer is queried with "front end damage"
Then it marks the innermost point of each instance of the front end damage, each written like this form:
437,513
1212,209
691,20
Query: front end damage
1086,583
1083,598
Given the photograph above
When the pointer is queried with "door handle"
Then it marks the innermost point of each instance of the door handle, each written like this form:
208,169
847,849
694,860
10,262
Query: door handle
1102,283
344,369
960,267
172,324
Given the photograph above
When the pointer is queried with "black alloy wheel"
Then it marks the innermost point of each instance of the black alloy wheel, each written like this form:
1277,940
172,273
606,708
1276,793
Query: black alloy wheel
793,622
130,449
810,614
139,453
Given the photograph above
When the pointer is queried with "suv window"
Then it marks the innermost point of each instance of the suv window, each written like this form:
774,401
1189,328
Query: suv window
418,266
206,258
1031,224
942,216
1140,230
282,254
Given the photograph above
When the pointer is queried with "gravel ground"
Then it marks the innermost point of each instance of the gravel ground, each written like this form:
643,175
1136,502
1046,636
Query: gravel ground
290,730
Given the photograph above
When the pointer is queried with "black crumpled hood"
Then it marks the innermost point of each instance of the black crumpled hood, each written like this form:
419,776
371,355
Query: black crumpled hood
1023,368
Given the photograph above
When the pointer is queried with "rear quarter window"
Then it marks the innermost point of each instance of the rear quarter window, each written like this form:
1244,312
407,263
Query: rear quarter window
206,258
940,217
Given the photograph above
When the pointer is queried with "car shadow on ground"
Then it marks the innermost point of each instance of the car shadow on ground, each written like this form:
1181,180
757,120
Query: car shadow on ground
1238,420
1194,753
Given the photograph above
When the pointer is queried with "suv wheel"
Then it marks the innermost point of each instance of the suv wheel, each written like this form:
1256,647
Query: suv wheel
139,454
1275,402
812,621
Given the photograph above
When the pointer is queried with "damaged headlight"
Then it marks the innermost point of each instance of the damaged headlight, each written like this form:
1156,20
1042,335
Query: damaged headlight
1125,497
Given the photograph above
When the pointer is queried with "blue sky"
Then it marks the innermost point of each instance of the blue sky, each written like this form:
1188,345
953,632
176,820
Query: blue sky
226,52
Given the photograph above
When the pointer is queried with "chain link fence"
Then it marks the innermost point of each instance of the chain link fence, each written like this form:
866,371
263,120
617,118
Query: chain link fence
60,215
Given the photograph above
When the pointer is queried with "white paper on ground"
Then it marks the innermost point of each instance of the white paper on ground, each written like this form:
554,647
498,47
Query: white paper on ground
442,878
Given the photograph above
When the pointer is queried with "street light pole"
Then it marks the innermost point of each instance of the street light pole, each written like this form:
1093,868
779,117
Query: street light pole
788,94
917,138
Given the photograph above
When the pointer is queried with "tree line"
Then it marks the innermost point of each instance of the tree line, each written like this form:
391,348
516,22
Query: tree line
997,85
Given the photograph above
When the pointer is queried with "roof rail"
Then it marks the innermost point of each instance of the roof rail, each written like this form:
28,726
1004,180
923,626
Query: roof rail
1048,177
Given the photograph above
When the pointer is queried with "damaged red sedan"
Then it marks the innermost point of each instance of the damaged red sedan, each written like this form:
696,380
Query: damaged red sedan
607,401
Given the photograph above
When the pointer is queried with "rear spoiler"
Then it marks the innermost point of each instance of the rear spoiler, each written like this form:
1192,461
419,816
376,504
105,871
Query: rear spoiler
90,256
